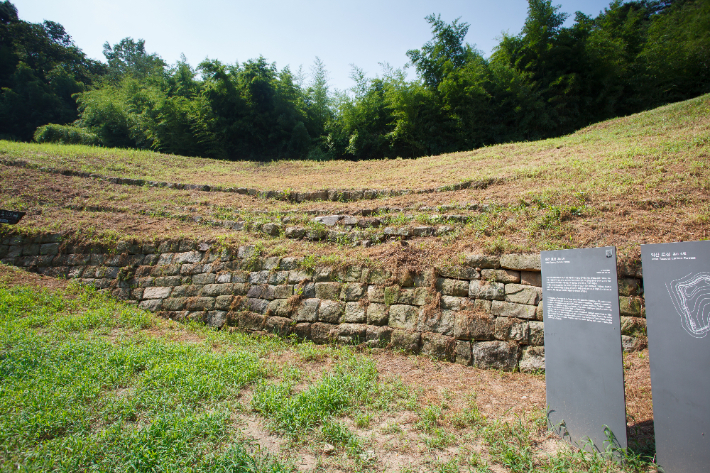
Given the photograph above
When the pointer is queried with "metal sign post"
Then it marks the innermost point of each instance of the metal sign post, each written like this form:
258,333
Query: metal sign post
676,279
584,373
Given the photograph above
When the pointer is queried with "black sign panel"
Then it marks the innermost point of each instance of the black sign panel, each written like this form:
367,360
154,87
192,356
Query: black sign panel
676,280
11,217
584,372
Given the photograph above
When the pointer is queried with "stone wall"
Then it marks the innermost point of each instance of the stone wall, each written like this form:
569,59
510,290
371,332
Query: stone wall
487,312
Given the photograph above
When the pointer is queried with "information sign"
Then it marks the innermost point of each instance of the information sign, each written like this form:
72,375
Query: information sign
10,216
584,371
676,280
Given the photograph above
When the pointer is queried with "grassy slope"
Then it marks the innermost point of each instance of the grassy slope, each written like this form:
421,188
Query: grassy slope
91,384
638,179
637,146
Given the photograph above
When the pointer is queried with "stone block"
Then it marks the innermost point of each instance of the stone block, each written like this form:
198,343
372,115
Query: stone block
473,325
259,306
486,290
302,330
630,287
241,277
403,317
463,352
278,278
521,262
246,252
14,252
441,321
633,326
495,355
31,250
283,291
438,346
188,290
453,303
204,278
188,257
537,333
351,333
458,272
174,303
506,276
533,360
413,296
191,269
631,307
214,290
259,277
157,292
539,312
216,318
483,261
531,278
279,308
453,287
376,293
171,281
330,311
295,233
251,321
353,274
223,278
406,340
322,333
279,325
377,314
323,274
352,291
152,305
223,302
378,276
510,309
200,303
307,311
77,259
240,289
377,336
165,258
521,294
49,249
298,275
290,263
512,329
630,344
354,313
328,290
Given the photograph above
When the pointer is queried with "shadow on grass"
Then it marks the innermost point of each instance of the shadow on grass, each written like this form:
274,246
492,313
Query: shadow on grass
641,439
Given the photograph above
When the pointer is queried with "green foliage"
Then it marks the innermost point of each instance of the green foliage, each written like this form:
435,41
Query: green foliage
40,69
64,134
547,80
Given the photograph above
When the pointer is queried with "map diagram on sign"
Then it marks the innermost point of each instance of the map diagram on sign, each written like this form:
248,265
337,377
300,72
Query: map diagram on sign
691,298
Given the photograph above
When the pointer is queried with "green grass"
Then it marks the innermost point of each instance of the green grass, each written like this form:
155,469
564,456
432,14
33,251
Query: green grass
84,387
93,384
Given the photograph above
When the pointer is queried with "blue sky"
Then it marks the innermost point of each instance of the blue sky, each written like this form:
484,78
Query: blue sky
364,33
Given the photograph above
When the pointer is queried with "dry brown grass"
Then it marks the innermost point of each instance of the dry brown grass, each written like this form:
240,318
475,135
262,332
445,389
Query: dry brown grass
639,179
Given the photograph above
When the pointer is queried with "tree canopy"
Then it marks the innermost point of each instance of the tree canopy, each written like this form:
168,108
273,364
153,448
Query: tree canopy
547,80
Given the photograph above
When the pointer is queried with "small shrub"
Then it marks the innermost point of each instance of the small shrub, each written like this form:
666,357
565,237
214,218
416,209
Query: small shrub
65,134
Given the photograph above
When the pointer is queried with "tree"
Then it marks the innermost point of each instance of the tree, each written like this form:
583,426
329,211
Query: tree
129,58
446,48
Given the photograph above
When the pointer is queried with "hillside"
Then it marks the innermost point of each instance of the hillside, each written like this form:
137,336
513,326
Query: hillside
639,179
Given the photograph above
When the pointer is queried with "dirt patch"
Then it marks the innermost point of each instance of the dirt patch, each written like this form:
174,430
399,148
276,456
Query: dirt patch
11,276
